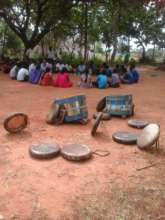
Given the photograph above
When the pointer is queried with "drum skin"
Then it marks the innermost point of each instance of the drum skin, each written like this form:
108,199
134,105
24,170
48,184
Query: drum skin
44,150
149,135
13,124
123,137
137,123
76,152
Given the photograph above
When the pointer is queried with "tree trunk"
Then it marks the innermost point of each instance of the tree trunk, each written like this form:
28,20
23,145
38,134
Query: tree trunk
153,52
4,41
94,50
143,53
114,52
25,51
42,47
86,33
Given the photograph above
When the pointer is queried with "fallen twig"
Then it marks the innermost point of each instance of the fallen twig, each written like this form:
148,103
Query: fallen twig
151,165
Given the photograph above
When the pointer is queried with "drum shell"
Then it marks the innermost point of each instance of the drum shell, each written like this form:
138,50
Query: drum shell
119,105
75,106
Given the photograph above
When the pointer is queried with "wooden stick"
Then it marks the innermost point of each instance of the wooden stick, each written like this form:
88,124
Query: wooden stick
146,167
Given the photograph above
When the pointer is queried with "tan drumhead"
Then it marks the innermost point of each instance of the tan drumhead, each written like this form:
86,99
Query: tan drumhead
76,152
148,136
16,122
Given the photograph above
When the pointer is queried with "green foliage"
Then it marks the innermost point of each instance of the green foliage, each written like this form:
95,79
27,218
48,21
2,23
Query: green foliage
147,60
73,60
132,62
108,22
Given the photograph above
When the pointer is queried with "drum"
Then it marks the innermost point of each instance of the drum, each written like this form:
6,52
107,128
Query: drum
16,122
75,106
44,150
149,136
76,152
96,124
101,105
52,114
137,123
105,116
119,105
125,137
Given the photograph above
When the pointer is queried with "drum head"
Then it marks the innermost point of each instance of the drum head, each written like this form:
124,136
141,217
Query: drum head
148,136
125,137
76,152
96,124
105,116
137,123
53,113
16,122
44,150
101,105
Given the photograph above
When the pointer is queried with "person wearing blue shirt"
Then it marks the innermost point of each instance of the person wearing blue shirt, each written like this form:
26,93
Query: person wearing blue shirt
128,78
102,80
135,73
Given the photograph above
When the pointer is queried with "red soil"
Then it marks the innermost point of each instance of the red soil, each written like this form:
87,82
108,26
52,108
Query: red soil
28,185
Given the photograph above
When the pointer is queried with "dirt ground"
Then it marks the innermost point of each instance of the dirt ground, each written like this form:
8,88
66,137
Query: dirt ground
101,188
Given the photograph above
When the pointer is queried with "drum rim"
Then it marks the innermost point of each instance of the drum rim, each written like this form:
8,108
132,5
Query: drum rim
20,128
105,117
74,157
49,155
56,109
96,124
129,142
140,126
81,95
98,109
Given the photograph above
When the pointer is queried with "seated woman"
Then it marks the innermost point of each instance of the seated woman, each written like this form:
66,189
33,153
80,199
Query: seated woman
23,73
32,66
101,81
35,75
14,71
62,79
85,80
46,78
135,73
80,69
115,80
123,70
43,66
127,78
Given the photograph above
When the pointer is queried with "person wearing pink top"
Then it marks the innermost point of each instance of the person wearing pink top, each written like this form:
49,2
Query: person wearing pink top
62,79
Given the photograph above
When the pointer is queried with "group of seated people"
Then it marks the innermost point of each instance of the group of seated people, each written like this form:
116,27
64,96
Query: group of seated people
57,74
42,73
107,77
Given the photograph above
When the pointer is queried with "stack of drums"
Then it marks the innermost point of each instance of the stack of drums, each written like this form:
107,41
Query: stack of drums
75,107
119,105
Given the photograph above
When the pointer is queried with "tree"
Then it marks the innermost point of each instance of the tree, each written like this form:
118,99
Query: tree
31,20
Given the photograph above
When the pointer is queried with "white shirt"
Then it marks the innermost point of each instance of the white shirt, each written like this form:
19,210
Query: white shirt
22,73
61,67
32,66
13,72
